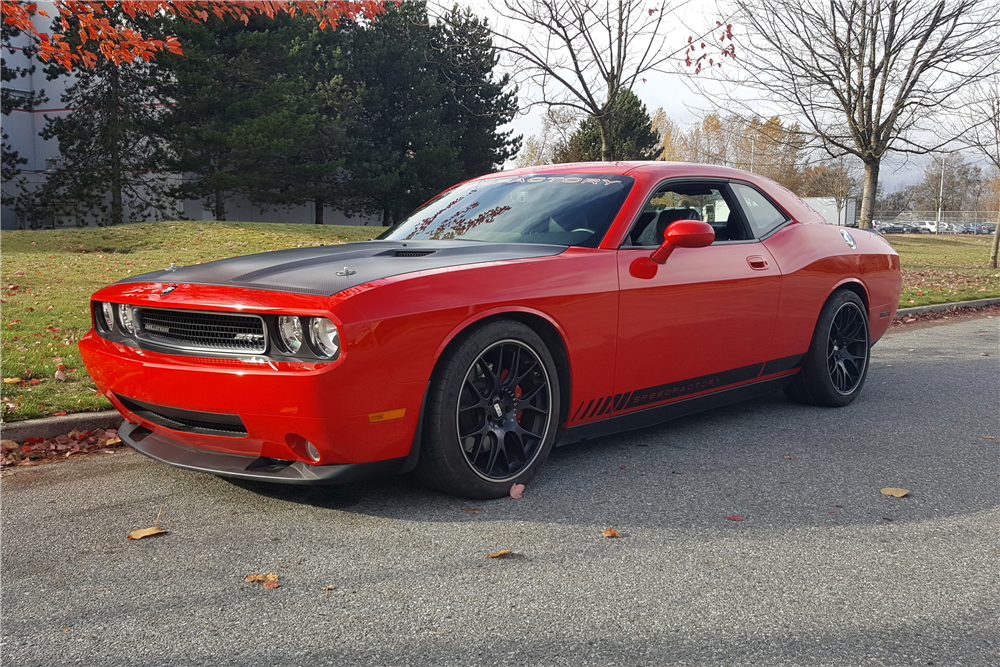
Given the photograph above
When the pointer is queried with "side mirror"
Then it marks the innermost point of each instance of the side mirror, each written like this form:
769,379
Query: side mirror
684,234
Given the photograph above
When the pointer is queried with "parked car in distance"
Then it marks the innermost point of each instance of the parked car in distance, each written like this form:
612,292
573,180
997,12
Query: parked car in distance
511,311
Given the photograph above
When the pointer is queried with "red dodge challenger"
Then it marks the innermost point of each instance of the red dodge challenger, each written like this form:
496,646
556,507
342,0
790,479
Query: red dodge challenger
510,312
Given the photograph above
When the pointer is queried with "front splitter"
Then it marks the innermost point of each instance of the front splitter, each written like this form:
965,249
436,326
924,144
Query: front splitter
260,469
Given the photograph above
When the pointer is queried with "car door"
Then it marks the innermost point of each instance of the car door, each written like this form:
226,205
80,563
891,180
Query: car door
704,321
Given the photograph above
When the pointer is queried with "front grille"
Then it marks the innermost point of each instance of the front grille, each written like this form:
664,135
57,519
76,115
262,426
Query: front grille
202,330
188,421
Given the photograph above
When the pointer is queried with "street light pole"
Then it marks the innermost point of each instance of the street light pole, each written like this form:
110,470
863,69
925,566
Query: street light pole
937,228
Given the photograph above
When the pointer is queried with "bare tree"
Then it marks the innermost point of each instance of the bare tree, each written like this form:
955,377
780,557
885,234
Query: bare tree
868,77
984,136
580,54
837,180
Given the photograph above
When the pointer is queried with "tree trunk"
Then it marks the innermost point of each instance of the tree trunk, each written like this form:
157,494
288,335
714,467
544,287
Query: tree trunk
220,206
604,138
319,210
996,242
868,196
116,158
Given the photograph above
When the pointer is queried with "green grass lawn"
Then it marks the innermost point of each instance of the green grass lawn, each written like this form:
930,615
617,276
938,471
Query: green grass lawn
945,268
48,277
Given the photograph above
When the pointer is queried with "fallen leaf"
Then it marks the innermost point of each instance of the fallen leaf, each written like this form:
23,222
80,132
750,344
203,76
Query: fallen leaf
11,380
329,588
471,510
60,376
516,490
112,441
735,517
989,437
506,553
270,580
611,532
59,414
140,533
894,492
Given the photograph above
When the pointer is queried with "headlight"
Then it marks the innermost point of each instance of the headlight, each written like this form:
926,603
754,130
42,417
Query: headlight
108,311
325,337
125,314
290,332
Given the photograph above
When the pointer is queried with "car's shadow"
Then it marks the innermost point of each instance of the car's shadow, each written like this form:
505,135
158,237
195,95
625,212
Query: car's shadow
770,462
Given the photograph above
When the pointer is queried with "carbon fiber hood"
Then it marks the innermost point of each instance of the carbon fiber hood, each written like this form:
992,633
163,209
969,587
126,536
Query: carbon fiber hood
326,270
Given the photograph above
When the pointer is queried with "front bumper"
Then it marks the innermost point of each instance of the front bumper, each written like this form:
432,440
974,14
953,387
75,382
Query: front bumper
261,469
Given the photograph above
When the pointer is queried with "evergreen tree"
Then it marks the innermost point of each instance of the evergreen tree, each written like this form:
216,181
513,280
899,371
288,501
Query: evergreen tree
402,151
476,104
108,157
320,176
11,98
242,117
631,135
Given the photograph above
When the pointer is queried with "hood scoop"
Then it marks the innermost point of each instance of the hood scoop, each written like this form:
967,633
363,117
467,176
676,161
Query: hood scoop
413,253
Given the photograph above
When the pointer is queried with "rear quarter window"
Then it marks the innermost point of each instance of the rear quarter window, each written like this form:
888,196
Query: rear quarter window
762,215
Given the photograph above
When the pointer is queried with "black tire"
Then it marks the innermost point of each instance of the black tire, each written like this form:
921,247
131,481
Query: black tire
491,414
836,365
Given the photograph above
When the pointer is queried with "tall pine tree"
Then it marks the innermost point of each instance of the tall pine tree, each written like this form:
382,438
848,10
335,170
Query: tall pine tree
242,116
109,159
631,129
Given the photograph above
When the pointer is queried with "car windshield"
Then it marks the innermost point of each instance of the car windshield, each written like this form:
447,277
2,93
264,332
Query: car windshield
564,209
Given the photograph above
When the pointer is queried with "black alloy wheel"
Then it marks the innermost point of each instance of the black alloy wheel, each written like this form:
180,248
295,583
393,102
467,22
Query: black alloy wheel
491,413
503,410
836,365
847,348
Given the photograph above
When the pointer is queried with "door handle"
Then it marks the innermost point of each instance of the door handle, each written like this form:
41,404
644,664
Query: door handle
757,262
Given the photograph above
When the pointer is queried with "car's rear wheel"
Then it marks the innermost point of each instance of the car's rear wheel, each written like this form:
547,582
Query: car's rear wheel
491,414
836,365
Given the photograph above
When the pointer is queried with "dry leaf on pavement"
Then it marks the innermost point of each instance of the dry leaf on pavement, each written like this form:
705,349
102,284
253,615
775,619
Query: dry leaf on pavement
471,510
611,532
140,533
329,588
506,553
516,490
735,517
270,580
894,492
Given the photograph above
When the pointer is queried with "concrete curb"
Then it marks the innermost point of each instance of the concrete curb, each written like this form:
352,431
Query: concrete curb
977,303
48,427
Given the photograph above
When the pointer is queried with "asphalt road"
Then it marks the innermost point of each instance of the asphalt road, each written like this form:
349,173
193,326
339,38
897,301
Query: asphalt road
823,569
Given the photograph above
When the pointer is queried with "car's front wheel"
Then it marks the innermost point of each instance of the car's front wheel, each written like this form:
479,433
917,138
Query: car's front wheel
491,414
836,365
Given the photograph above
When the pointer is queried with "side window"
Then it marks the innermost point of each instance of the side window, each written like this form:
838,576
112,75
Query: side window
762,215
686,201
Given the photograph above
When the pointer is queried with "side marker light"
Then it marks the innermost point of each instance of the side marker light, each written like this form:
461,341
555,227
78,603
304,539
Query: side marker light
386,416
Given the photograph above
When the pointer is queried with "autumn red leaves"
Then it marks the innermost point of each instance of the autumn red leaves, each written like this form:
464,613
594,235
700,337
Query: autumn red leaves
96,31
